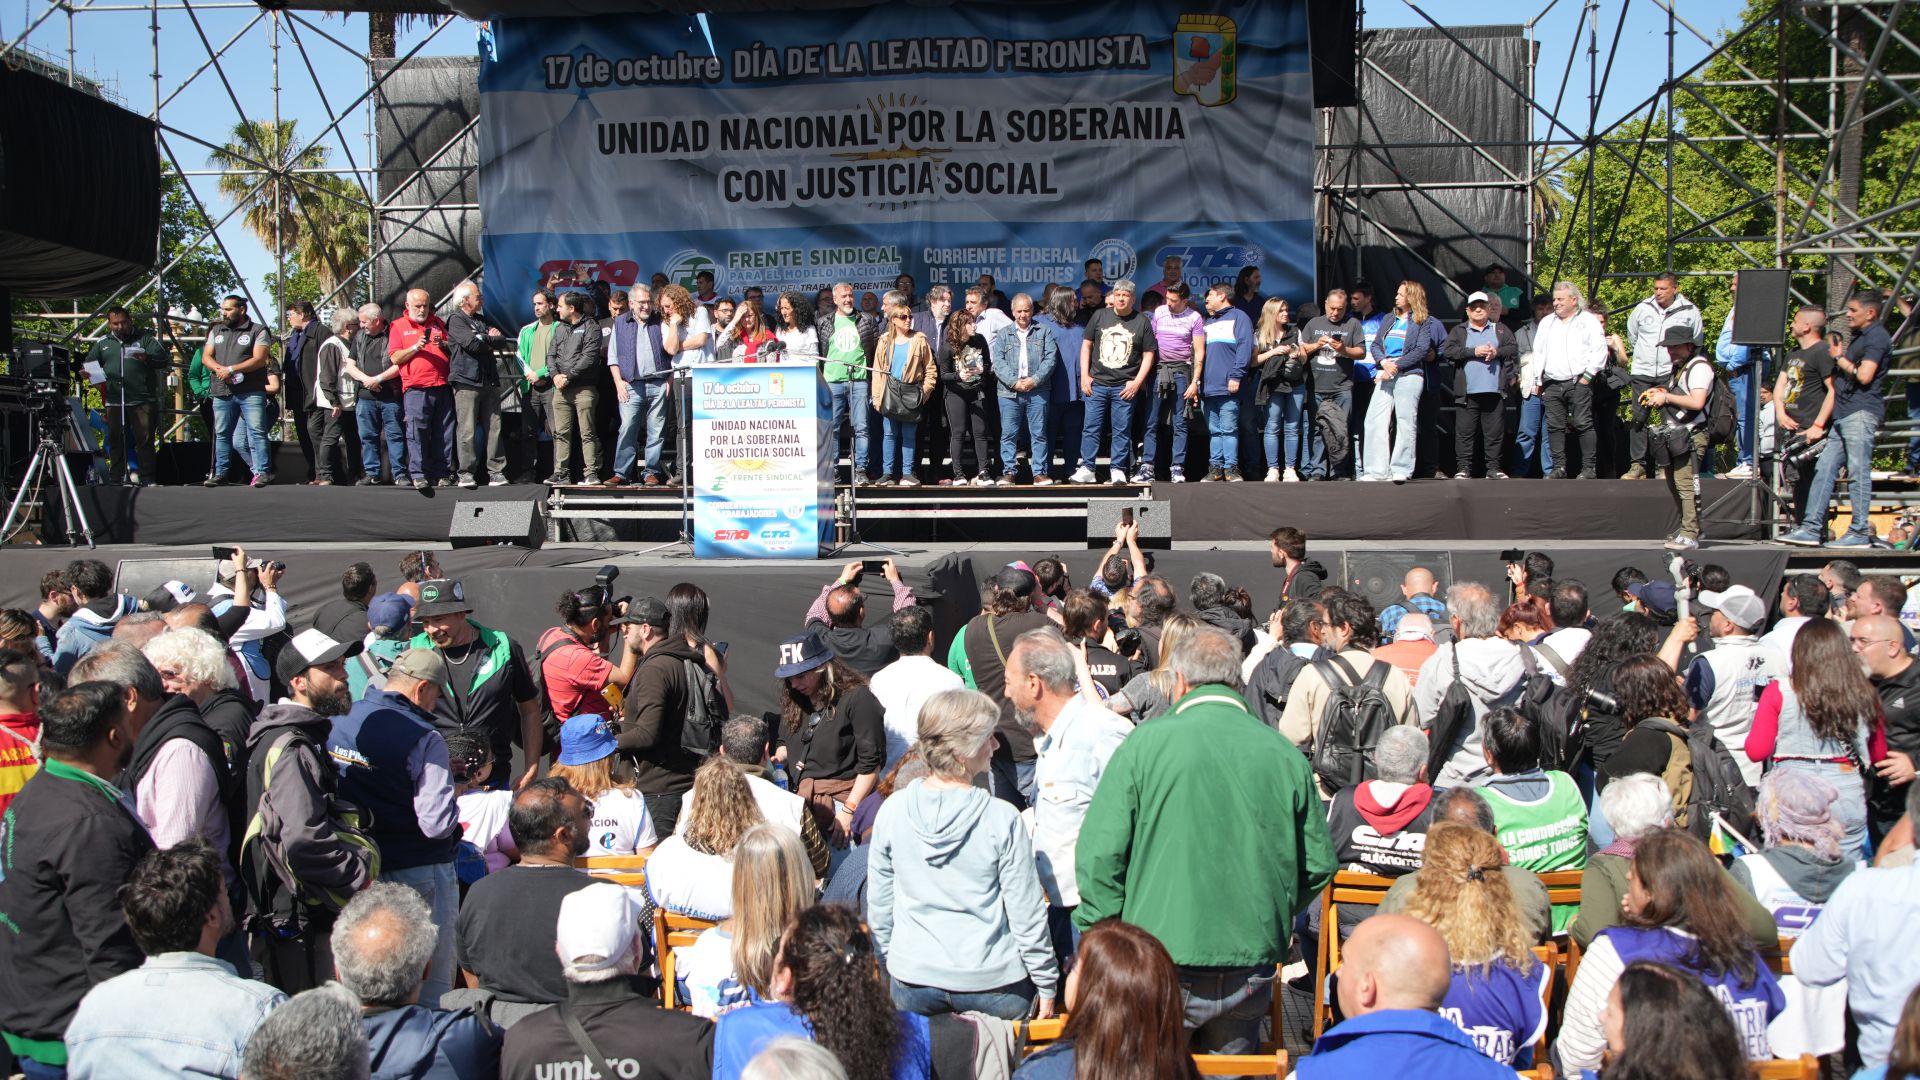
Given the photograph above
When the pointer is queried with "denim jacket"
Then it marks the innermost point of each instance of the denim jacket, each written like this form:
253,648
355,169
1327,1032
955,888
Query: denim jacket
178,1014
1042,354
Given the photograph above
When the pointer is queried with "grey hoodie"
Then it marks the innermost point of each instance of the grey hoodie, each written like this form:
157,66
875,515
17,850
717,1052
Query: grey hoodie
1493,670
953,894
1808,874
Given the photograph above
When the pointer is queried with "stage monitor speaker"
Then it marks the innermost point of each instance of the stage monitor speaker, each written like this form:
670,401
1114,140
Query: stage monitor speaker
1377,575
1154,516
1760,309
476,524
138,577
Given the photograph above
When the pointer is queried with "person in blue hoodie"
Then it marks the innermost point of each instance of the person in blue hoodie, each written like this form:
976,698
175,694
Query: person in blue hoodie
382,944
92,623
1394,974
1229,336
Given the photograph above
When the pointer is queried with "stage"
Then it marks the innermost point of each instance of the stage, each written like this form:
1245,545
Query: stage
1522,511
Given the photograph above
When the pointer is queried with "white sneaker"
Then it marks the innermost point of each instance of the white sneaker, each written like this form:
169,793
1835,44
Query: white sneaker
1369,478
983,480
1119,480
1290,476
1081,475
1273,476
909,480
1739,472
1177,475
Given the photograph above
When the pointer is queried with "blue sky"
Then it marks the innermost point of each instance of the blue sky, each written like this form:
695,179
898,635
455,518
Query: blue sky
116,47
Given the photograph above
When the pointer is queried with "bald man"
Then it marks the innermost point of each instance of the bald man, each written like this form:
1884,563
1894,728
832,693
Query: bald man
840,612
1394,974
1417,589
1896,679
417,345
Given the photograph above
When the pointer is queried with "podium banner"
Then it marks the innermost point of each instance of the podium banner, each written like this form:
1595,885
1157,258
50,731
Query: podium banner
762,474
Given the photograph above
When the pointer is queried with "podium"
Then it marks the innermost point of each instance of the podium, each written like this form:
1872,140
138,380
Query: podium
761,445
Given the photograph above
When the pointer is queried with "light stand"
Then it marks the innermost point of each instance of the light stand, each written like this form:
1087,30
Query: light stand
680,390
49,457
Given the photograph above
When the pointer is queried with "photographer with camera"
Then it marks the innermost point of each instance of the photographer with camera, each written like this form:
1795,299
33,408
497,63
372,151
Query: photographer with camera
1803,404
1679,435
572,658
1857,411
840,613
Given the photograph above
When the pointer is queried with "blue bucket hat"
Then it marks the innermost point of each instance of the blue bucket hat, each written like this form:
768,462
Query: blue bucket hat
584,739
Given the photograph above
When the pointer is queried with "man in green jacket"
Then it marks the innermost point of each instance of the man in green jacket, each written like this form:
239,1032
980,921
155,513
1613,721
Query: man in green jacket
132,364
1207,832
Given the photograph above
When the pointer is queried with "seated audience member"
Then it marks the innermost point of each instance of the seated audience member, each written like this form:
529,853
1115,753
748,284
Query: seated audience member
691,872
1680,910
1825,720
1793,877
840,614
794,1059
486,842
1499,990
589,764
1126,1013
183,1012
316,1035
1379,826
1541,817
1465,806
743,743
954,894
772,882
1412,643
828,987
1526,620
1417,595
1491,669
602,949
1864,936
1348,631
71,842
1394,975
904,685
1661,1021
382,944
505,931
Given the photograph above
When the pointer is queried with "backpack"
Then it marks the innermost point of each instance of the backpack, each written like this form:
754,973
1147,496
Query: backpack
1556,718
1271,683
1704,780
1355,715
276,898
1719,418
706,710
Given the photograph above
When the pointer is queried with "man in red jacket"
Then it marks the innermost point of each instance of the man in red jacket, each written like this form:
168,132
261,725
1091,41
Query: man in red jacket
19,723
417,344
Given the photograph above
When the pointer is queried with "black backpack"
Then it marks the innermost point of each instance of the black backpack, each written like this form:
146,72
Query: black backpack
1271,683
1355,715
706,710
1707,784
1456,715
1720,419
1557,721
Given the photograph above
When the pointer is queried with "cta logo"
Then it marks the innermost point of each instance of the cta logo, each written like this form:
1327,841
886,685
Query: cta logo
777,537
729,534
1210,258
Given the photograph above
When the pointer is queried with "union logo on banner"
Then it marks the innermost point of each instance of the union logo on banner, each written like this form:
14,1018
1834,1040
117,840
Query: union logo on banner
1204,49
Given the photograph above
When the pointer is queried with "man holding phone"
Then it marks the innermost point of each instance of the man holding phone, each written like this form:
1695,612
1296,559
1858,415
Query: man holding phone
417,345
1333,340
840,613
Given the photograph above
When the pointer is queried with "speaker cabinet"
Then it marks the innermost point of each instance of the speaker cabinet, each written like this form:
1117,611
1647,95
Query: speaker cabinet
1760,309
1376,575
476,524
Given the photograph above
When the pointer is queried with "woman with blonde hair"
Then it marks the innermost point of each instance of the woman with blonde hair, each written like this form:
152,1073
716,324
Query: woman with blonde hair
588,760
1499,990
1407,340
903,355
953,894
1280,393
691,872
772,882
1150,693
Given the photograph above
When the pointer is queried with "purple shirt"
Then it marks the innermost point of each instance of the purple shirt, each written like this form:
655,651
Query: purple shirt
1173,334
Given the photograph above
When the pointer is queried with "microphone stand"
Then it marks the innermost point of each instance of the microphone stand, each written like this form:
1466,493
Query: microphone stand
680,389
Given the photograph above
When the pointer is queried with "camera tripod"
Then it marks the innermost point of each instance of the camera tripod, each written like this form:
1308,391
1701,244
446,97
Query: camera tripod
49,462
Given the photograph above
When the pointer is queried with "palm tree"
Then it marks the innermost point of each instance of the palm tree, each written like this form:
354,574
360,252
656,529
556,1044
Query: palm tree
271,150
333,238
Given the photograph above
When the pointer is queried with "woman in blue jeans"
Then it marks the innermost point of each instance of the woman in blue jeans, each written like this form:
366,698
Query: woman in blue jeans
1400,352
901,355
1280,393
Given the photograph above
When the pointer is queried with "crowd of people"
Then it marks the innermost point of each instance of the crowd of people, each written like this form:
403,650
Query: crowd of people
1071,381
381,838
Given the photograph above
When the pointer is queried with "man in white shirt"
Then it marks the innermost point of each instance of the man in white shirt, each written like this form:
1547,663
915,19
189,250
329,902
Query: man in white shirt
1724,683
1568,606
1647,329
903,686
1803,598
988,320
1572,347
1073,738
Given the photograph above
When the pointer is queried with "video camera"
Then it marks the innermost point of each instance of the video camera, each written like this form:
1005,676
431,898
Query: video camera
1800,453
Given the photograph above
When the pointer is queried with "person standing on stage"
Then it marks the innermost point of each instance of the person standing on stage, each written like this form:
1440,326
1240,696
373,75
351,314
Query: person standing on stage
574,360
475,377
1646,335
847,339
129,360
376,405
1116,360
1858,408
1024,356
641,368
417,345
1333,340
1221,370
1178,345
536,338
236,355
1400,352
1482,347
1572,346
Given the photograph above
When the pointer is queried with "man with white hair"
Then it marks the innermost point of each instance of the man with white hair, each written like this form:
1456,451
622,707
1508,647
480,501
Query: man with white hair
625,1032
417,345
637,359
1379,826
316,1035
382,945
475,377
1073,739
1572,347
376,404
1493,670
1116,360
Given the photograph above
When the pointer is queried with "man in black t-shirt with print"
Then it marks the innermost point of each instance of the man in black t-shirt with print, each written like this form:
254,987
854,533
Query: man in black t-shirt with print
1116,359
1333,340
1803,399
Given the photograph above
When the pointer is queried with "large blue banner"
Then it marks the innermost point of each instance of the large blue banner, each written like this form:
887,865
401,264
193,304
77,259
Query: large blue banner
806,148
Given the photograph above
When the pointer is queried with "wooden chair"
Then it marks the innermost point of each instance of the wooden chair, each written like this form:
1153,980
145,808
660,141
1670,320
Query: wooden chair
1563,886
1806,1067
1780,959
1036,1033
1274,1064
617,869
670,930
1350,887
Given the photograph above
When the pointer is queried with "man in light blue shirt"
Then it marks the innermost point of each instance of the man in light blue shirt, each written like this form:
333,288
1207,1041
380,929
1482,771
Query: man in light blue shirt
183,1012
1865,936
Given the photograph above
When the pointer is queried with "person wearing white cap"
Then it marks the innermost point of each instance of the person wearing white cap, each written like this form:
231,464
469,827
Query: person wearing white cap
1724,682
1482,348
620,1031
